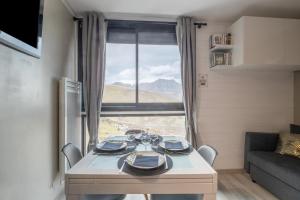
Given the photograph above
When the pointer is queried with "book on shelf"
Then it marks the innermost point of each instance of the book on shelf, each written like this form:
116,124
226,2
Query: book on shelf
219,39
221,58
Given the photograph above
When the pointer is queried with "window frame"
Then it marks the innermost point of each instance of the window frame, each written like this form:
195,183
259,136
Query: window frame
136,108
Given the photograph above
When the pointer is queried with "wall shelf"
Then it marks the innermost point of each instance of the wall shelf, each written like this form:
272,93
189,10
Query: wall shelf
221,67
278,68
220,47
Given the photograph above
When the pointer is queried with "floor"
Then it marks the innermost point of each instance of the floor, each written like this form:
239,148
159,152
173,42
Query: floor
233,186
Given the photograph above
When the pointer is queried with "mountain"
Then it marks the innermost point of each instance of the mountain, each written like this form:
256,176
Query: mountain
162,86
123,84
165,87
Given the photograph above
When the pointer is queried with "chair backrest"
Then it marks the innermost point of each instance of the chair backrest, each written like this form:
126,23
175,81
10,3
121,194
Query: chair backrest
208,153
134,131
72,154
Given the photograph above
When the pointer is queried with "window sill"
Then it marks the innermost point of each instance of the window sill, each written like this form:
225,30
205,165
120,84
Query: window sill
139,113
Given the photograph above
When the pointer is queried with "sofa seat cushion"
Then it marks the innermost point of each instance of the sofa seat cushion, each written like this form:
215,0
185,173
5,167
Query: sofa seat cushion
286,168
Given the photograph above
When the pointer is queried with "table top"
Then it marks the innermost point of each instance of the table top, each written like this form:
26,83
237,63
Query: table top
190,166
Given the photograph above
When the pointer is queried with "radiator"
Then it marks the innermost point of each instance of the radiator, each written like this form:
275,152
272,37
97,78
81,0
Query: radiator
69,119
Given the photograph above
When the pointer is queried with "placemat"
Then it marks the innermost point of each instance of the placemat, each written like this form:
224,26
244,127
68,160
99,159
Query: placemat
139,172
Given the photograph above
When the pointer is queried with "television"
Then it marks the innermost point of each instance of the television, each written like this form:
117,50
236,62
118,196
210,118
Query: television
21,25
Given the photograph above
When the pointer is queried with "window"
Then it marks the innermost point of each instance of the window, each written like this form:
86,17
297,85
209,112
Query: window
159,74
120,74
143,79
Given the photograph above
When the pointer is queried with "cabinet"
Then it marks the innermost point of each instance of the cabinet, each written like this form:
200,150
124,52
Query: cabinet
262,42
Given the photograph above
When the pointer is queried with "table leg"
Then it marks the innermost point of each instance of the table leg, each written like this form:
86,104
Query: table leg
73,197
209,197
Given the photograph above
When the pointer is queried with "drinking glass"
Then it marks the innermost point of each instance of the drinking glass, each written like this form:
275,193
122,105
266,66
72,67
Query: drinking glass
130,138
145,139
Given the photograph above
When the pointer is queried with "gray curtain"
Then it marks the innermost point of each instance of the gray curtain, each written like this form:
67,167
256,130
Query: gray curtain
186,39
94,30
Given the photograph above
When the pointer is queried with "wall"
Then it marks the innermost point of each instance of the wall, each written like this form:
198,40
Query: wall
29,110
238,101
297,97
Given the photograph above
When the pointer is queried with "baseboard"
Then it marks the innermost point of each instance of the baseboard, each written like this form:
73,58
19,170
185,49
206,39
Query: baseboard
230,171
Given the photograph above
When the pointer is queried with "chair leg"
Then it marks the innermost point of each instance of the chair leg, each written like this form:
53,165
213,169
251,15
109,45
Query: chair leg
146,196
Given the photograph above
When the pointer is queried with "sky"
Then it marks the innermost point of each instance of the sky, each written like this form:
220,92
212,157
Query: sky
155,62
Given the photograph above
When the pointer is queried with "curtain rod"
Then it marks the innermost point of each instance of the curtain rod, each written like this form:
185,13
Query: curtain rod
198,24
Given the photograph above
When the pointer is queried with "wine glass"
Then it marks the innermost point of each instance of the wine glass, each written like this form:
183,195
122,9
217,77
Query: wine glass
145,139
130,138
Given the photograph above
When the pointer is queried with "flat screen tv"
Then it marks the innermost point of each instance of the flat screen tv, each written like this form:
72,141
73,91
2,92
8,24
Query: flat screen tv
21,25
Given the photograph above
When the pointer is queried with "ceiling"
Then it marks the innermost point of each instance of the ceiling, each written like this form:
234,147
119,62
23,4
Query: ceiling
209,10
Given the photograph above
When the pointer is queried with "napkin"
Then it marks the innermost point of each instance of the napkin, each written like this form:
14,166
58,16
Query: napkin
112,145
173,145
146,161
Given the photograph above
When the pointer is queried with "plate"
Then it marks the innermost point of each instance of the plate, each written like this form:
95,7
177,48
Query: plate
185,145
131,159
119,145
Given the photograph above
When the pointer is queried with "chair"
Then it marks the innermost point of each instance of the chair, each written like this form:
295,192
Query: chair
74,155
209,154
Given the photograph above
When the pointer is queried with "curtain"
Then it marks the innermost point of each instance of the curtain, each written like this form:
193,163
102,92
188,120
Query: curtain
186,39
94,30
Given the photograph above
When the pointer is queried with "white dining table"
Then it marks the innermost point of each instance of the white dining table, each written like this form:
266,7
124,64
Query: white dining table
99,174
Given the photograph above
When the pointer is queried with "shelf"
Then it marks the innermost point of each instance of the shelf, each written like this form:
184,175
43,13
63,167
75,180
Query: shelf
221,48
222,67
271,67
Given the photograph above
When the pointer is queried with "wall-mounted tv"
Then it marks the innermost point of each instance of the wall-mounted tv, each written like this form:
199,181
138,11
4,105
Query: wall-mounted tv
21,25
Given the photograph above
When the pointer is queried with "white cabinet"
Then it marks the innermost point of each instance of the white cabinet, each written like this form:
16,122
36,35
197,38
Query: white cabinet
266,42
292,41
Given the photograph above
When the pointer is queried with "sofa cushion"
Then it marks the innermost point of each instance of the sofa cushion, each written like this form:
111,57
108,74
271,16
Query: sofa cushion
283,167
284,142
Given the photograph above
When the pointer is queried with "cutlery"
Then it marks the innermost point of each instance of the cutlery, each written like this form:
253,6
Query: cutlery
121,169
166,162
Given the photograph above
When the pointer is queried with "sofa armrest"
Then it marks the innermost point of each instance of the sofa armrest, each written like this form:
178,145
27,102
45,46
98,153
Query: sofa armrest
255,141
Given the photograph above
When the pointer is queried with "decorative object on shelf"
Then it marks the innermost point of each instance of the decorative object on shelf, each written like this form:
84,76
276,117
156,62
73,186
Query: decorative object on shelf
220,39
220,49
220,58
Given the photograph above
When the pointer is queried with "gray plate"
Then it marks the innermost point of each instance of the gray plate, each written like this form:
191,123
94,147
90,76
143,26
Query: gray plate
185,145
122,147
131,158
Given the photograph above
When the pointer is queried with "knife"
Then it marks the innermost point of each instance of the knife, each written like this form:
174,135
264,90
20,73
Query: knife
121,169
166,162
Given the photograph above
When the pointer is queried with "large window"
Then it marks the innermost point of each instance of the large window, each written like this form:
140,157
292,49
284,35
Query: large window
143,79
120,74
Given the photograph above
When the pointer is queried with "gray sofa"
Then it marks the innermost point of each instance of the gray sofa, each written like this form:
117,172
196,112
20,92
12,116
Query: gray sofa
280,174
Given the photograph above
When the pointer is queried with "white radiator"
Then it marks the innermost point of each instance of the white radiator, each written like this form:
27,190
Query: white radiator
69,118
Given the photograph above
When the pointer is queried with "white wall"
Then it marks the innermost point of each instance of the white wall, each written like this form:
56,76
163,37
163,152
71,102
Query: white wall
29,110
238,101
297,97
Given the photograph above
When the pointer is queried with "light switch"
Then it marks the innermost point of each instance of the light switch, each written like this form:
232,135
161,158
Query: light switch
203,80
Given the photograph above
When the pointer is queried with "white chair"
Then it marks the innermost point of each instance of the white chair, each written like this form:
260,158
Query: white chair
74,155
209,154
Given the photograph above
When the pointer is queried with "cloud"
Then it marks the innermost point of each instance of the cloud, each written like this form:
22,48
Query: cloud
147,74
151,73
156,62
